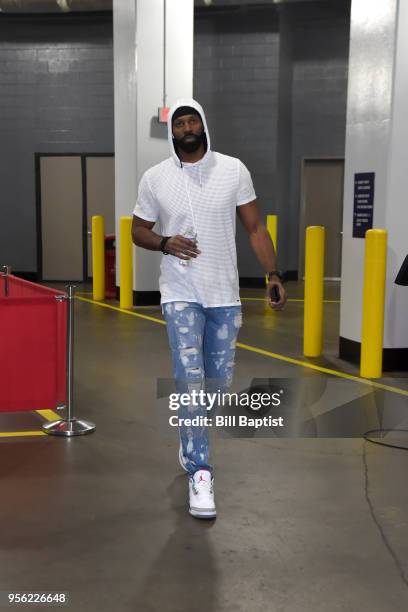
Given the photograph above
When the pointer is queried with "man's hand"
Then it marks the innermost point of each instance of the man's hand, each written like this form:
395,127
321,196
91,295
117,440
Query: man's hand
182,247
263,248
275,282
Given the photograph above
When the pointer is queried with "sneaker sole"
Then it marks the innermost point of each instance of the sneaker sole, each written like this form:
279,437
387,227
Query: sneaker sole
203,514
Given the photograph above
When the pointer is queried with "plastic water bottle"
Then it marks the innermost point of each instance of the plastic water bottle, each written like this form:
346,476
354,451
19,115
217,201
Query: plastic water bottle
191,235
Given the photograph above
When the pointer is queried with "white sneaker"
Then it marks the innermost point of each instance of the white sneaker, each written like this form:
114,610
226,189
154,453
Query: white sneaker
182,459
201,488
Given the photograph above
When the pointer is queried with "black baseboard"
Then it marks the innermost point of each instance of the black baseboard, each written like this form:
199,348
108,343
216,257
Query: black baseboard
244,281
143,298
394,360
146,298
152,298
34,277
251,282
290,275
30,276
258,282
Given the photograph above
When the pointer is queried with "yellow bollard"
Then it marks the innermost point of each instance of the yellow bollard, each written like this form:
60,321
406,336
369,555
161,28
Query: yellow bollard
372,326
272,227
126,263
98,258
313,304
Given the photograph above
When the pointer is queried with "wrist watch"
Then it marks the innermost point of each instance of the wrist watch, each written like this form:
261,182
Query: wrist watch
163,245
277,273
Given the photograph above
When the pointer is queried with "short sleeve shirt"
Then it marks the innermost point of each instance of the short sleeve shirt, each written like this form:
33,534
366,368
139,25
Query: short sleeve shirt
202,196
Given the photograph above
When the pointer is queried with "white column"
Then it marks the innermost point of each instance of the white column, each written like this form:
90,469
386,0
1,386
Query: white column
376,141
139,64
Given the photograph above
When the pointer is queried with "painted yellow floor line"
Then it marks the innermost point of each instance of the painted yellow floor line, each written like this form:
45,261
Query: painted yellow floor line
278,356
90,293
48,415
17,434
129,312
252,299
312,366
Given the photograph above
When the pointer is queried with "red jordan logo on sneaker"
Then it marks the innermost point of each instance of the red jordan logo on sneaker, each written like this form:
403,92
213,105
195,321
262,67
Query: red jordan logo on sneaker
201,478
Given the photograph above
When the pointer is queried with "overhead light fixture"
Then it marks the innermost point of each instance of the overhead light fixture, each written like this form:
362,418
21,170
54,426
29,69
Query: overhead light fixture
208,2
63,5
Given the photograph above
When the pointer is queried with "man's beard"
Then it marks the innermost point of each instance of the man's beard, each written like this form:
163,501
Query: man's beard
192,144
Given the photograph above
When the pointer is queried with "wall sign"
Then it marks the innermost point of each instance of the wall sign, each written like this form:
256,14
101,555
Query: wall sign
363,203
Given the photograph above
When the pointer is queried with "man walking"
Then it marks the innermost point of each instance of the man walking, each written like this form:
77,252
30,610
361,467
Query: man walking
195,195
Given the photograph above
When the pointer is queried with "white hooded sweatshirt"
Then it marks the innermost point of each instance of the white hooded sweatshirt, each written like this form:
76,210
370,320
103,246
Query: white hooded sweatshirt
202,196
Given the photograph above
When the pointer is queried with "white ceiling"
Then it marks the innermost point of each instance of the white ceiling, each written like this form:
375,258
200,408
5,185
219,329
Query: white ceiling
53,6
66,6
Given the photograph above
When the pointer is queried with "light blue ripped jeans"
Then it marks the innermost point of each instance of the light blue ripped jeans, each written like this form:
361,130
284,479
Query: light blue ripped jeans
202,342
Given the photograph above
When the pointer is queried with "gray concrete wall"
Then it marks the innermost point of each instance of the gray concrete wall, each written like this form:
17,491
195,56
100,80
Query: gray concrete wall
272,80
319,97
236,80
284,145
56,96
274,83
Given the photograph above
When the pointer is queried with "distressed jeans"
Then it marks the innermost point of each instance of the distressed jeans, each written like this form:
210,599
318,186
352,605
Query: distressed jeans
202,342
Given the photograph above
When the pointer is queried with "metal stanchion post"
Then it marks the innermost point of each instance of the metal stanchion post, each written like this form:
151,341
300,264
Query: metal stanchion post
6,272
70,426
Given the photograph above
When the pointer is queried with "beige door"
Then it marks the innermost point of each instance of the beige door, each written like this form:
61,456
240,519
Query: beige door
100,190
61,218
322,204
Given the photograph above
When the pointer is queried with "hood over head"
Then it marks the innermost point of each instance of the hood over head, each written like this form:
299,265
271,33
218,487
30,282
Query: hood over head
193,104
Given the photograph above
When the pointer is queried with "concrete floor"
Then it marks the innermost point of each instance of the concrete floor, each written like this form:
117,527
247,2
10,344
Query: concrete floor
304,524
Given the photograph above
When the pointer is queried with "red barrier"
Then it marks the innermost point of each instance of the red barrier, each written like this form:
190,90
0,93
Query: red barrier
33,330
110,266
